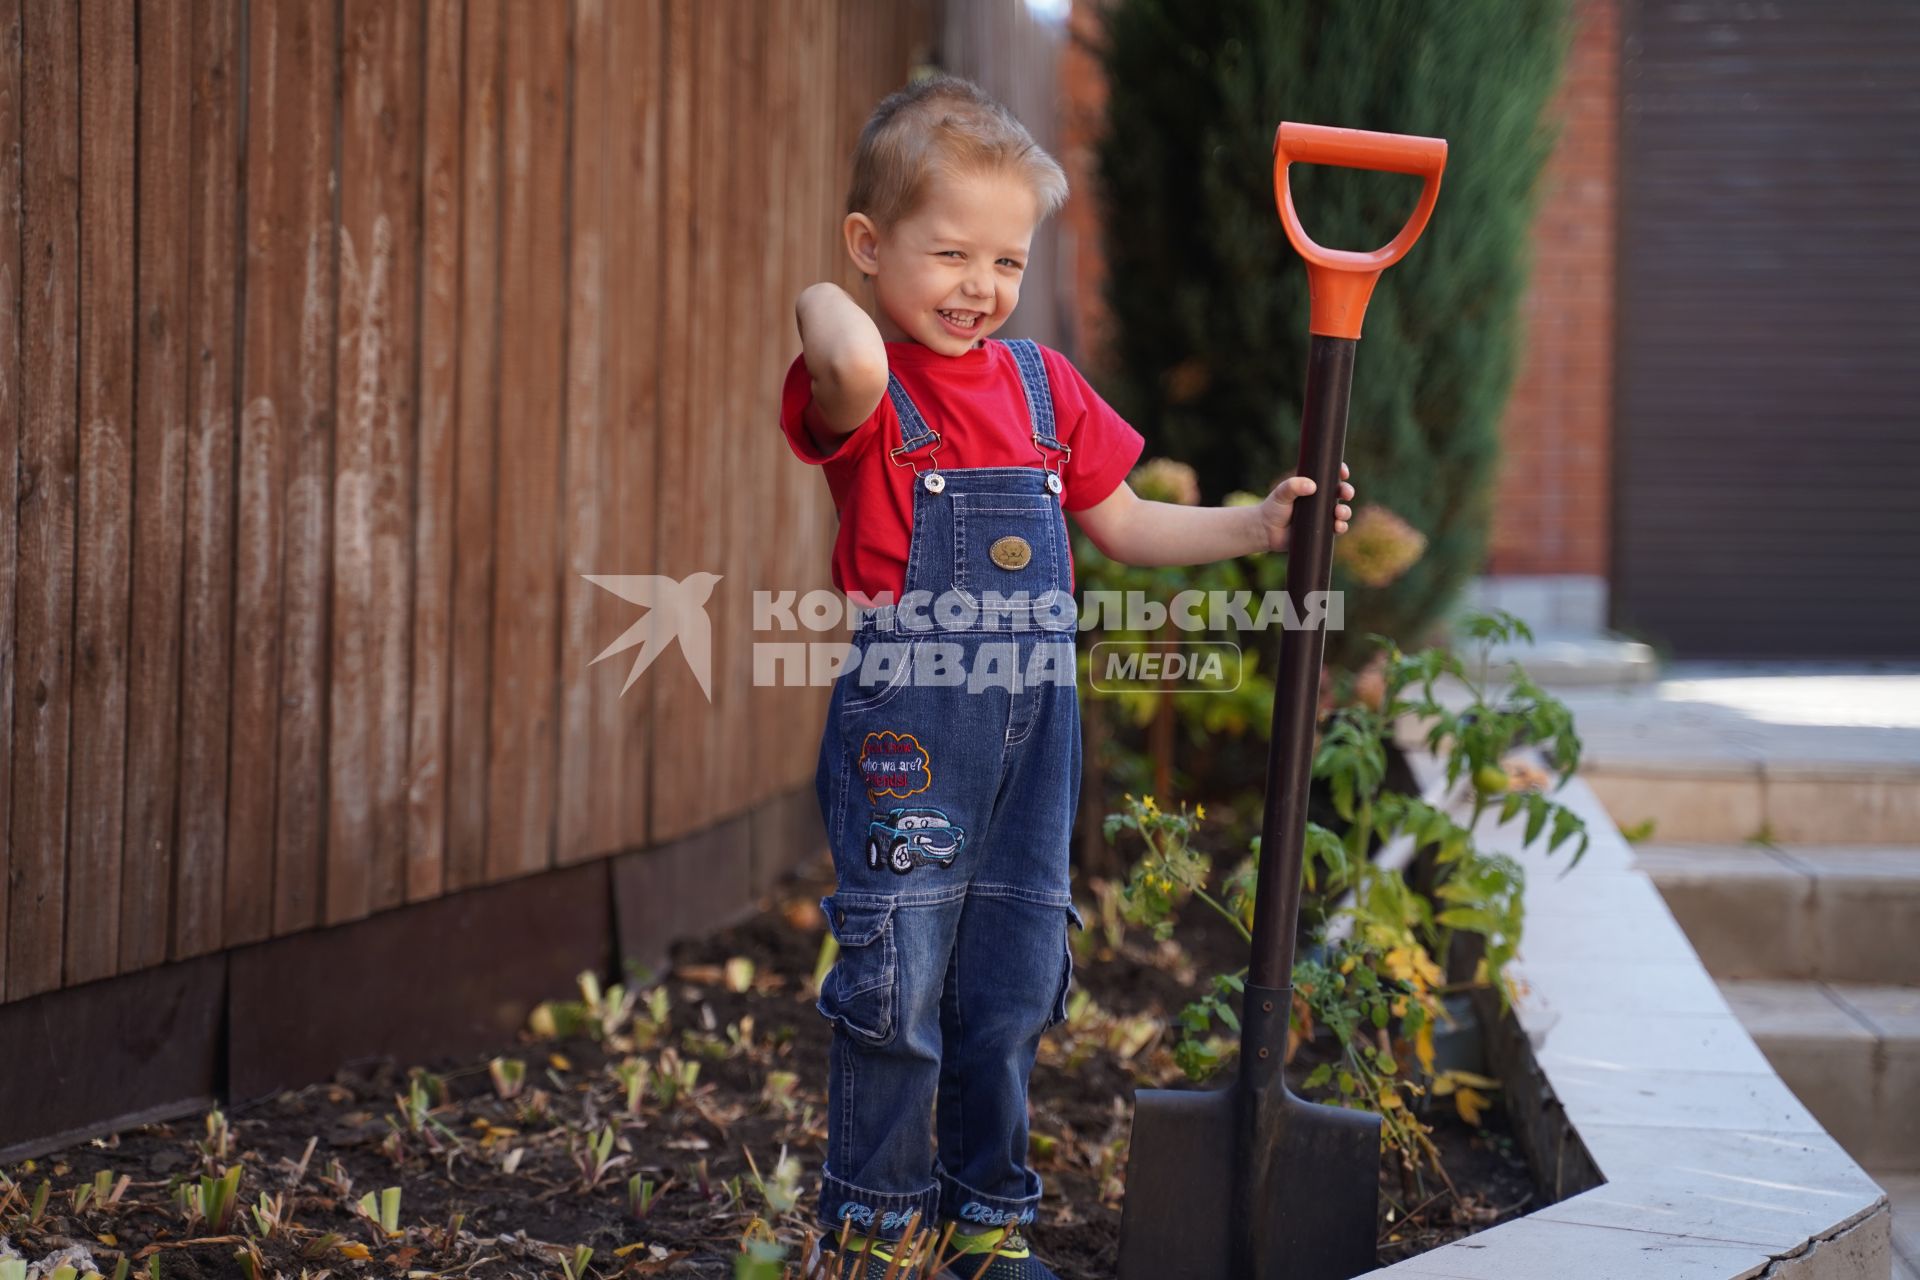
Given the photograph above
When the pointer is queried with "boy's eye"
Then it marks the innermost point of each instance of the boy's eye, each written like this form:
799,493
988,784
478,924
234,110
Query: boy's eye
1005,260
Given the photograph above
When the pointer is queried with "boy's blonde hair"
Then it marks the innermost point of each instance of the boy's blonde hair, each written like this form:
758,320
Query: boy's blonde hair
945,122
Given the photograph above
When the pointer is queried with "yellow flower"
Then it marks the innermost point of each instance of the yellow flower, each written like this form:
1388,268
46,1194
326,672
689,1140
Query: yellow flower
1200,811
1147,803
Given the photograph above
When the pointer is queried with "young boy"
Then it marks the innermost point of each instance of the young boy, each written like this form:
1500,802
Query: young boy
950,764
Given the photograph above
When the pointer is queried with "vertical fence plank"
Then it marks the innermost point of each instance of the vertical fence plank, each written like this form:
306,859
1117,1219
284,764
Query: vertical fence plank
285,479
635,44
770,754
667,775
43,626
823,256
520,783
693,475
308,426
11,439
201,873
582,806
434,512
159,473
750,527
372,504
98,790
476,448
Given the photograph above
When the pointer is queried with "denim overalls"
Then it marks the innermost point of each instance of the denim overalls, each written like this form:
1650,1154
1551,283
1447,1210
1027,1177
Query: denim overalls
949,807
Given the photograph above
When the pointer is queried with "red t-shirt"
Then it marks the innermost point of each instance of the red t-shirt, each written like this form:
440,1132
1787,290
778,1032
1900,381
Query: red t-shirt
975,403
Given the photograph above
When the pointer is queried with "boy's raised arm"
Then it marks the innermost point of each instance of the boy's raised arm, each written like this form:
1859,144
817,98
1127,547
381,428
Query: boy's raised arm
845,356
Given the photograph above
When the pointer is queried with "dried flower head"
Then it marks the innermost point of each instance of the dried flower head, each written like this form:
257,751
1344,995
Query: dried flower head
1164,480
1378,546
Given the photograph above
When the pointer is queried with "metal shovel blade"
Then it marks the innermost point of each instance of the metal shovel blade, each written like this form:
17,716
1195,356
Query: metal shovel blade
1313,1200
1176,1221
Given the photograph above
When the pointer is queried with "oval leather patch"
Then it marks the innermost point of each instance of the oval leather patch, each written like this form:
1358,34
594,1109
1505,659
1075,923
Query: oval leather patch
1010,552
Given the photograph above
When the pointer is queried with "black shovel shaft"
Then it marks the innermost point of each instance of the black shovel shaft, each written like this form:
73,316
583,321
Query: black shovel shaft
1323,435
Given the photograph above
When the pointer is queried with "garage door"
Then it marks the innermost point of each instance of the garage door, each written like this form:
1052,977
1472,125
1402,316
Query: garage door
1767,439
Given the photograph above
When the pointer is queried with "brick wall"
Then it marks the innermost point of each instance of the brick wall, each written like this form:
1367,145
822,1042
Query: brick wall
1555,488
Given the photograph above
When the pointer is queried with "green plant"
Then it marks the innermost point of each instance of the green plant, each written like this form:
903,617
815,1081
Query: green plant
210,1200
1208,300
252,1264
594,1155
1378,989
780,1090
781,1189
218,1144
269,1215
509,1076
381,1213
574,1265
101,1192
633,1075
416,1116
641,1193
673,1077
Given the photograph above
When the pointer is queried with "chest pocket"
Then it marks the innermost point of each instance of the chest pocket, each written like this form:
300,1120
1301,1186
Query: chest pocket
1012,544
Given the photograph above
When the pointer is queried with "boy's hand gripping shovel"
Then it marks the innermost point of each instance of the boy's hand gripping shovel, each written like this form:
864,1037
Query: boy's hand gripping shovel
1250,1182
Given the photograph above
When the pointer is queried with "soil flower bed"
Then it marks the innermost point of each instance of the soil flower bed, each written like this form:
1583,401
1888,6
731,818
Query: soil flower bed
649,1141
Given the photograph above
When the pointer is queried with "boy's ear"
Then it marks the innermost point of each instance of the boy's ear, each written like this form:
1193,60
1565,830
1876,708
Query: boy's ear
863,243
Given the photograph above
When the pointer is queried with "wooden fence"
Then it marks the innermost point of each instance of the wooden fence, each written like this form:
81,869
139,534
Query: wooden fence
338,340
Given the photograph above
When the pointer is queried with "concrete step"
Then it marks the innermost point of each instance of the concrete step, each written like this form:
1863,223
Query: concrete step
1850,1052
1792,754
1717,800
1845,913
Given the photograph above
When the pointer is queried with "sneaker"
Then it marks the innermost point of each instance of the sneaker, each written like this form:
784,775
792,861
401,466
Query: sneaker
825,1262
999,1254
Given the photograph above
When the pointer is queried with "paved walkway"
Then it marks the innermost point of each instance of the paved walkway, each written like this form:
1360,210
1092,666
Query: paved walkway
1800,712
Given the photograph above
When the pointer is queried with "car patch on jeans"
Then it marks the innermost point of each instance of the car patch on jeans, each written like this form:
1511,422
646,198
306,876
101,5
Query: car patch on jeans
902,839
894,764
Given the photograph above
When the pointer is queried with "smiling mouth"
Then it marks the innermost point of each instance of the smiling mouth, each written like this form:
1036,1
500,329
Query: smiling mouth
961,319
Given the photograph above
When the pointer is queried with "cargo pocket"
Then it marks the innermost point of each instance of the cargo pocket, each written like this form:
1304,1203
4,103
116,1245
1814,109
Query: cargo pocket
859,992
1059,1014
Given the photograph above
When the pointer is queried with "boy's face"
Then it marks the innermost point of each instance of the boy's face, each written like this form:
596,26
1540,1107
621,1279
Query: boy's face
949,274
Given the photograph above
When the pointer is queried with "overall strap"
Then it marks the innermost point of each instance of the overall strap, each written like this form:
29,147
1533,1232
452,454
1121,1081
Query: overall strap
1033,381
914,431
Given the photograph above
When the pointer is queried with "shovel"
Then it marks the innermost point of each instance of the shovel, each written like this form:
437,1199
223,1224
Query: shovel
1249,1182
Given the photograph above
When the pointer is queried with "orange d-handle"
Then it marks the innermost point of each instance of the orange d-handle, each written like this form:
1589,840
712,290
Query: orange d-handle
1340,281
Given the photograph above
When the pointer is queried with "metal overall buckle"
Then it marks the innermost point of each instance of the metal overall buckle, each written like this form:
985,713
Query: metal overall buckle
931,478
1054,483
